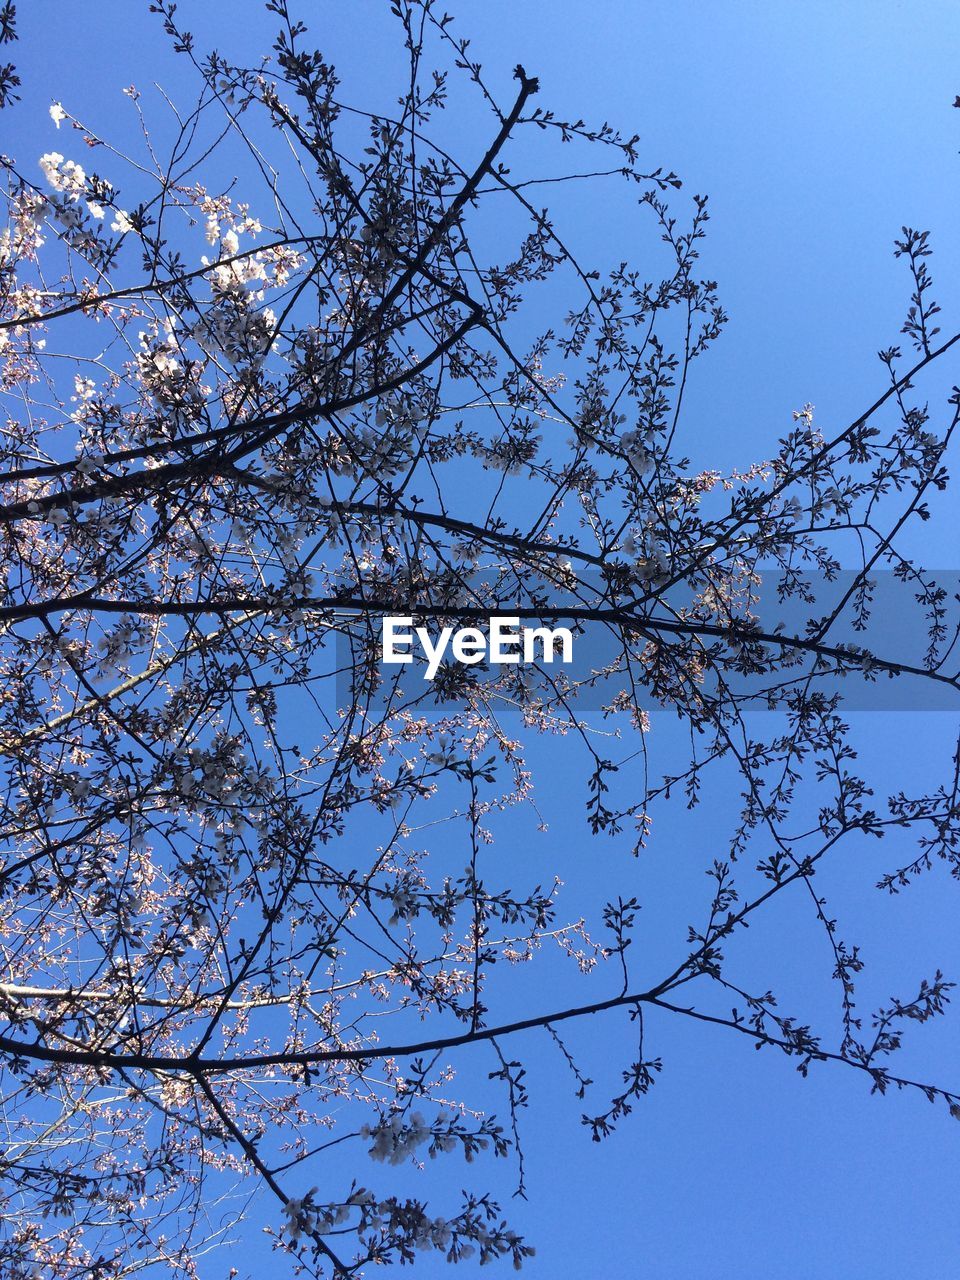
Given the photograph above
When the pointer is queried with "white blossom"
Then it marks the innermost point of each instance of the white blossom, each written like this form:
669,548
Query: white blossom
50,164
394,1141
793,509
63,175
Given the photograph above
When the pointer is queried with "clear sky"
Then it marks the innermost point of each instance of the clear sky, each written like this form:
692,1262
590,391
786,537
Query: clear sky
818,129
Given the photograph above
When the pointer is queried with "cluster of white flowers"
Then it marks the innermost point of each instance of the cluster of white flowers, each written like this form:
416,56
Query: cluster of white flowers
69,180
57,516
792,509
636,447
22,238
57,646
649,556
833,500
63,175
283,261
289,542
384,453
176,1092
406,905
218,212
304,1218
232,277
435,1233
239,332
466,553
233,326
157,364
443,753
83,389
118,647
508,456
67,214
429,1232
426,1233
394,1141
191,542
400,413
160,362
221,775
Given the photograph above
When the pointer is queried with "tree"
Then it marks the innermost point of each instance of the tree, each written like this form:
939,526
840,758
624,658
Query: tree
234,839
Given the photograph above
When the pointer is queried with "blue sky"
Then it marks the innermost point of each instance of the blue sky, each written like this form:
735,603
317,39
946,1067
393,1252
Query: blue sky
818,130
